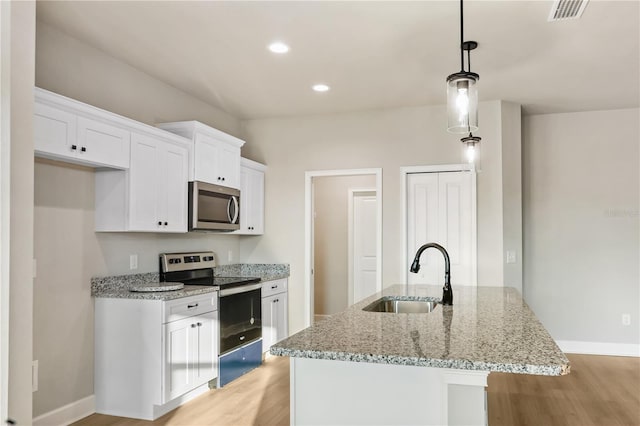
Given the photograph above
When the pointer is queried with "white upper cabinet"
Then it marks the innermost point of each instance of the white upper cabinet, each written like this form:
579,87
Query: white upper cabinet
216,155
142,172
251,198
152,195
71,131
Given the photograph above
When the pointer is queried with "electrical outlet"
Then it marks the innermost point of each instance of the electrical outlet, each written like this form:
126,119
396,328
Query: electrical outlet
34,376
511,256
133,261
626,319
230,256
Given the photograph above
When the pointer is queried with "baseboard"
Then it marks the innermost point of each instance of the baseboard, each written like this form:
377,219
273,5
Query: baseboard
599,348
68,414
319,317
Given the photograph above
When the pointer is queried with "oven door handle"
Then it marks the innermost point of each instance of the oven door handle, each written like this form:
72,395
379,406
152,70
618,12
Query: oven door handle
240,289
233,199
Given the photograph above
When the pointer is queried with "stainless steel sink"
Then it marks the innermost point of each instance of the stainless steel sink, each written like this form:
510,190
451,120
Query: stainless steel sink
396,306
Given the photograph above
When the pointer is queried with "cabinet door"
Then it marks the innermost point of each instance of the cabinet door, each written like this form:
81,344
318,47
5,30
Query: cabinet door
206,160
206,362
256,183
174,189
144,184
251,202
275,324
229,165
54,131
281,315
269,322
245,202
101,143
180,345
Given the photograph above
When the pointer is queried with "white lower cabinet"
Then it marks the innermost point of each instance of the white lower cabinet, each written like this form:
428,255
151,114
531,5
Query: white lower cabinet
151,356
189,353
275,324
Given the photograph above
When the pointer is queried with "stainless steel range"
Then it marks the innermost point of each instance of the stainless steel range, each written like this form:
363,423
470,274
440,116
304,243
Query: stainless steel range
239,310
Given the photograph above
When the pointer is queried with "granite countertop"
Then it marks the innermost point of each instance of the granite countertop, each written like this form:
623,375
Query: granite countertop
487,329
118,287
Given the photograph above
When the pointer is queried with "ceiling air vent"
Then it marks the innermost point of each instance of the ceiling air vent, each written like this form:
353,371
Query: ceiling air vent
567,9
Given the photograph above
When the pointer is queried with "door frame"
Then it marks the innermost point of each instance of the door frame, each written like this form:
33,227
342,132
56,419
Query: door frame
404,176
352,193
308,230
5,200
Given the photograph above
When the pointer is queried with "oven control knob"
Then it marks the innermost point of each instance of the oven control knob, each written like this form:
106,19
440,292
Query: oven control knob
172,261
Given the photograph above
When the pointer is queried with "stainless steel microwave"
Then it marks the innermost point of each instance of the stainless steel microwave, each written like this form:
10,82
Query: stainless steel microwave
213,207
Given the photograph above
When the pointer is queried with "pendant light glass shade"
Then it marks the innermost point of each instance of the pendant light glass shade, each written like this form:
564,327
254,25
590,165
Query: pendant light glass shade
462,102
471,150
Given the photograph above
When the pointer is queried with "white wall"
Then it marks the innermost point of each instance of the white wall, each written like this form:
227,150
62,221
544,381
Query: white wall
17,96
582,223
331,224
67,249
389,139
68,254
512,192
72,68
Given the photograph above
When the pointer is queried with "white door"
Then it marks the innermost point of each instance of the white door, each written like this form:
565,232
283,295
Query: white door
102,143
54,131
174,190
228,165
206,362
268,320
363,246
180,344
145,190
282,327
206,154
439,210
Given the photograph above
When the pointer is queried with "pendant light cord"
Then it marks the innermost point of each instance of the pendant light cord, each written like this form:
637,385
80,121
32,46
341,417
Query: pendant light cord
461,38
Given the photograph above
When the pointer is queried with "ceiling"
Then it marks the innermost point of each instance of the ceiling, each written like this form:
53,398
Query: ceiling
373,54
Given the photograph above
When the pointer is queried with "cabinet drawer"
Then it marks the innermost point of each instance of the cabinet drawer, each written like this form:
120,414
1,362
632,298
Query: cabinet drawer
270,288
240,361
189,306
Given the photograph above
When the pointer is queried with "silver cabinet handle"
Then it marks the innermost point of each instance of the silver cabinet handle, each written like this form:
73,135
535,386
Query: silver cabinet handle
241,337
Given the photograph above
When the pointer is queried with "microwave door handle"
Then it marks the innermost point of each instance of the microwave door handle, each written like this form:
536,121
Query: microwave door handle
236,209
233,200
229,210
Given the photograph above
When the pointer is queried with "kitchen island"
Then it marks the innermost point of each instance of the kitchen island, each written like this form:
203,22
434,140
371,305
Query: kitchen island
360,367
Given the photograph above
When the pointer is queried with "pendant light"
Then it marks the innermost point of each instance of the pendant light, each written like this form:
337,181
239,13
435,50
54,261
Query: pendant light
471,150
462,91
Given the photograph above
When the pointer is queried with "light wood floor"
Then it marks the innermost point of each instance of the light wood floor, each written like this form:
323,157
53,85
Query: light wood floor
600,391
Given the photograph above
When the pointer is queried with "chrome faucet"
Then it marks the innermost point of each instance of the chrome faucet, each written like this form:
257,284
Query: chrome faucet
447,293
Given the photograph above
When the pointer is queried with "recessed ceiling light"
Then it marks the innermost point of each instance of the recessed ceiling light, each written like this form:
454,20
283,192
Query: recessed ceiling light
320,87
278,47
